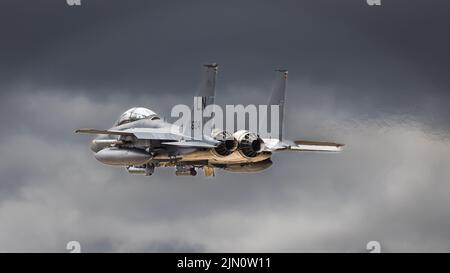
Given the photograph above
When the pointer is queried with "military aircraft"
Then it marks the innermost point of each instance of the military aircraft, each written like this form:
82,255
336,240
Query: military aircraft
141,141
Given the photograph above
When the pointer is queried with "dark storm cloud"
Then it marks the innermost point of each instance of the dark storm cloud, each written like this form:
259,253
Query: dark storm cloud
391,59
134,43
374,78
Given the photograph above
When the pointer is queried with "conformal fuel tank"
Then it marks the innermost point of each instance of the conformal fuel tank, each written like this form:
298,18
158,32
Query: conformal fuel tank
127,157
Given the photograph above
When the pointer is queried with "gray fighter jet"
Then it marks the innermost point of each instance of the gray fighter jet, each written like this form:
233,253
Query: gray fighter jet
140,140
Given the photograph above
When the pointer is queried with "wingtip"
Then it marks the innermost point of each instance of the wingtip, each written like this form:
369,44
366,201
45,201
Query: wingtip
83,130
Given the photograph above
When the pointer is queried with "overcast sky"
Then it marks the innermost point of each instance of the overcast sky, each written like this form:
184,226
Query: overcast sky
374,78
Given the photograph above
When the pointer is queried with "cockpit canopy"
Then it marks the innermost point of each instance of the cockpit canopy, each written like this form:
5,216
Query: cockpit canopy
136,113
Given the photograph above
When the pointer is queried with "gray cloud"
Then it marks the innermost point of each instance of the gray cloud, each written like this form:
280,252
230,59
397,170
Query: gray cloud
389,185
373,78
391,59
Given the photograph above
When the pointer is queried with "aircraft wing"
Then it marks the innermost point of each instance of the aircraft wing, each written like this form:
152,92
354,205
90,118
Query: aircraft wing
102,132
157,133
140,133
316,146
171,137
273,145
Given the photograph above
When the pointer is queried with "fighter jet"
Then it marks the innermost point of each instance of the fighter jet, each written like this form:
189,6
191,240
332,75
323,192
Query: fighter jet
140,141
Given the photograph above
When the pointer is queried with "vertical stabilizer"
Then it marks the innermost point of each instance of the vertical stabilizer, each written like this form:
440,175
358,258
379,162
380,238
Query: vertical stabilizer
208,87
278,97
204,97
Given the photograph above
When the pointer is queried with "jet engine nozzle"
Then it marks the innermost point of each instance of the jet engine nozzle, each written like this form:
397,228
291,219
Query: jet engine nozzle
249,144
228,143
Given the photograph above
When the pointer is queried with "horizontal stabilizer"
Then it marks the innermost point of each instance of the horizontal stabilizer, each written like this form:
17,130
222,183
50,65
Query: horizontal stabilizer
190,144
